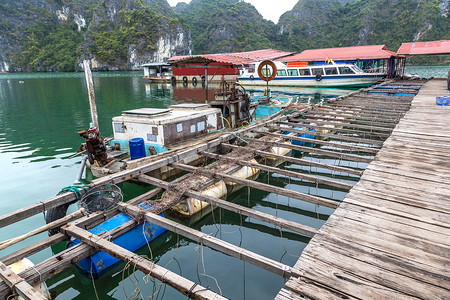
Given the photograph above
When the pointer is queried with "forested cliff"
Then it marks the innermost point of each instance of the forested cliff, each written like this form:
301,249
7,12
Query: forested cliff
56,35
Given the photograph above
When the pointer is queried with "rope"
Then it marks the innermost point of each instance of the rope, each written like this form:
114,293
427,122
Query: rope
76,189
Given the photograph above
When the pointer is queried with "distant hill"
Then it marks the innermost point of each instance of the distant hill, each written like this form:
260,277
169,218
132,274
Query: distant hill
56,35
327,23
226,26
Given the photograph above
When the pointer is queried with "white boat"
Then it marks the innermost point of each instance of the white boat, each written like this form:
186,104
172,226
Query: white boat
330,75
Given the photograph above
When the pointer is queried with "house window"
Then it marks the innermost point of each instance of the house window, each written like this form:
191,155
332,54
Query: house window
179,127
192,128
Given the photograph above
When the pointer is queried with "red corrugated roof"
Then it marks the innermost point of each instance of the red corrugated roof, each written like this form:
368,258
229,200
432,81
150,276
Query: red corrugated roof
423,48
342,53
238,58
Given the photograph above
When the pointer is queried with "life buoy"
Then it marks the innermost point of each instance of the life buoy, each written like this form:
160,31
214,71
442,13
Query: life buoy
174,79
185,79
252,77
262,65
318,77
203,78
194,80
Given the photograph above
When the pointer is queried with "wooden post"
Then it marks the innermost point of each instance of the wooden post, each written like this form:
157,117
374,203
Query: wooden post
90,87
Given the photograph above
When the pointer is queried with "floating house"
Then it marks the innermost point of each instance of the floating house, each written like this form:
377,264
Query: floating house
372,58
157,72
217,67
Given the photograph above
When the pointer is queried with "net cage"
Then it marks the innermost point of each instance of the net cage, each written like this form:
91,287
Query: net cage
101,198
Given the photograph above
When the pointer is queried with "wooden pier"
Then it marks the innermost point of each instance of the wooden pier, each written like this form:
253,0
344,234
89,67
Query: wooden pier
390,237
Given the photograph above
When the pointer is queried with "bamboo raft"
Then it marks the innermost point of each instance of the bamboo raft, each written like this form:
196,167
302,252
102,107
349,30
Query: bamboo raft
390,237
358,123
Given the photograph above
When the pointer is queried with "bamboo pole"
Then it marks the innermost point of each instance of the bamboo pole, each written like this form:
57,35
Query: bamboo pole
79,213
90,87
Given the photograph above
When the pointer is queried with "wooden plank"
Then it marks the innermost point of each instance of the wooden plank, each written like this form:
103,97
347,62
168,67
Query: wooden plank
224,247
242,210
261,186
20,286
292,174
181,284
332,278
299,161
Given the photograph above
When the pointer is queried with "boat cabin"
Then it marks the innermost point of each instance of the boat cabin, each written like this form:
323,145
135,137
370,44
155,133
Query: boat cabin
161,128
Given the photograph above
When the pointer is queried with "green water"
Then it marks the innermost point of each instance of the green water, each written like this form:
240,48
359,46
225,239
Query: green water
40,115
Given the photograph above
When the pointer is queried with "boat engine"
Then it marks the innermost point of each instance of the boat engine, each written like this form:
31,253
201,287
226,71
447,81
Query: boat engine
95,146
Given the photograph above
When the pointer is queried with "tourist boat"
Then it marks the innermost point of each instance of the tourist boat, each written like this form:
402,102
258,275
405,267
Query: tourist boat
330,75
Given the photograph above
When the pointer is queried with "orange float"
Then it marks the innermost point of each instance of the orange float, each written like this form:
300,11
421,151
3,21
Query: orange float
262,65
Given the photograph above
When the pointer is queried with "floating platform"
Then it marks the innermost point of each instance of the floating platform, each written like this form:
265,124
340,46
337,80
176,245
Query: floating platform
389,238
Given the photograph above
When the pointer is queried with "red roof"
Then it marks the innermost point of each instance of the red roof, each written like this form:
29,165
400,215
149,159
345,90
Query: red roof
342,53
238,58
422,48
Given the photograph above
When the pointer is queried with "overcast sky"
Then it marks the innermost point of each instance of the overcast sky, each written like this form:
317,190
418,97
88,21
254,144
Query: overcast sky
269,9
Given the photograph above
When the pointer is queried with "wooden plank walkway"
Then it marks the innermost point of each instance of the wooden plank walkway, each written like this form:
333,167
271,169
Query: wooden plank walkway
390,237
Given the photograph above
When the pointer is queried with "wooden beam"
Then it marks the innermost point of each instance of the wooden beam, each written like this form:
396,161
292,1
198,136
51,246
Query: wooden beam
333,136
341,123
329,153
299,161
242,210
348,120
20,286
224,247
338,128
330,182
261,186
320,142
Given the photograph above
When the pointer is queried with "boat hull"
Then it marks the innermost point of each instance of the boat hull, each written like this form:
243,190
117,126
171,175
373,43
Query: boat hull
310,81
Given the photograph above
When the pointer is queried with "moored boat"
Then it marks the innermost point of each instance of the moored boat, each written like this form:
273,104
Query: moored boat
330,75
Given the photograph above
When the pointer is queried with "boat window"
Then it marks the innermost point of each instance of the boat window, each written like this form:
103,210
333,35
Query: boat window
201,126
281,73
118,127
179,127
357,69
192,128
317,71
331,71
151,137
305,72
346,70
293,72
266,72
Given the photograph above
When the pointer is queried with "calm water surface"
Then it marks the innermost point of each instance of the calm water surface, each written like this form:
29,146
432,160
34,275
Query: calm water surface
40,115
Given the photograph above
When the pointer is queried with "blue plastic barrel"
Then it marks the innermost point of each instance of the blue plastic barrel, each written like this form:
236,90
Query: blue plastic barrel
137,148
131,240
